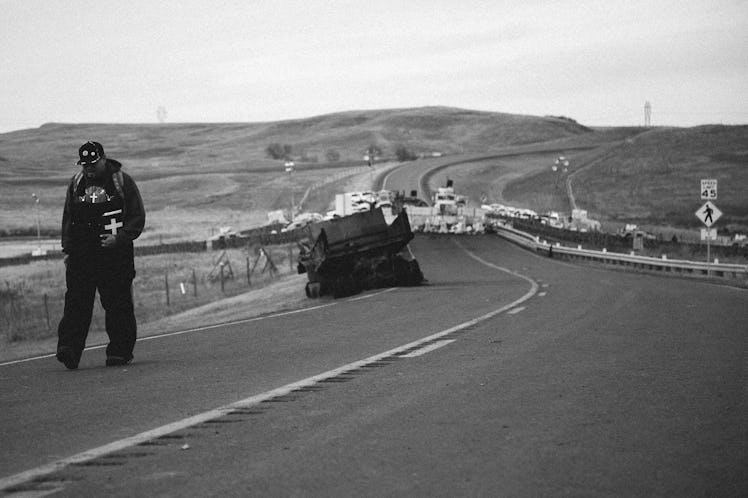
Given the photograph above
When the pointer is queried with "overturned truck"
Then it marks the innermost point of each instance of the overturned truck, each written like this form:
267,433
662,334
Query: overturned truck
344,256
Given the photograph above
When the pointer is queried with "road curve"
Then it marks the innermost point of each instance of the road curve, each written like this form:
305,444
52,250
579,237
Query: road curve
417,175
597,383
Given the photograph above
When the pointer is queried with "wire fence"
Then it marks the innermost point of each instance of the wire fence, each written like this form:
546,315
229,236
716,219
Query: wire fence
31,306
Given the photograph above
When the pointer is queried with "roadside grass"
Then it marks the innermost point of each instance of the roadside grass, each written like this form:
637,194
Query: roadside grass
175,148
655,178
651,179
29,315
197,177
192,207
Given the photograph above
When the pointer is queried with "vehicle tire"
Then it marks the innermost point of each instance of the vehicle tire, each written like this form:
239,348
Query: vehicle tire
415,275
384,275
339,288
400,270
314,289
344,286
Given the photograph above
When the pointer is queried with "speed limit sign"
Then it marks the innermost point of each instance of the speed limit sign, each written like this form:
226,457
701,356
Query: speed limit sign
709,189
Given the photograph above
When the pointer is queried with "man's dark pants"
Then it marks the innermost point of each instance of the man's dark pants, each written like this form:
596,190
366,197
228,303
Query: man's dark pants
112,276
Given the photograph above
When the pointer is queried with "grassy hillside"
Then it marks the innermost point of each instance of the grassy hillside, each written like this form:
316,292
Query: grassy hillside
656,177
176,148
195,177
622,175
214,174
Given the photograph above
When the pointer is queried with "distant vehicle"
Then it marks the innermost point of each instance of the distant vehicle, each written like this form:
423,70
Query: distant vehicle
445,200
224,233
527,214
552,219
354,202
628,231
400,199
384,200
414,201
277,218
222,238
301,220
739,240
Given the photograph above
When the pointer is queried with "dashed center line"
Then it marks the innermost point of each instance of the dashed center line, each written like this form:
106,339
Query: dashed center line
515,310
542,294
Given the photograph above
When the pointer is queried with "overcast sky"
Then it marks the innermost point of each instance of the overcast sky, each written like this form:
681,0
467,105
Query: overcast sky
80,61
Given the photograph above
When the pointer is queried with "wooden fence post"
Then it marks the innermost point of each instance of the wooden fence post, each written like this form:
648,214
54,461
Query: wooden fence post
221,276
46,310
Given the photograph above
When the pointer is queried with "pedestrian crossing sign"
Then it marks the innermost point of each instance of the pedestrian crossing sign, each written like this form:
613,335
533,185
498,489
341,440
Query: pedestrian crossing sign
708,213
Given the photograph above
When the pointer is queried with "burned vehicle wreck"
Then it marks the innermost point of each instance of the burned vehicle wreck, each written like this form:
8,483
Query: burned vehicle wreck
343,256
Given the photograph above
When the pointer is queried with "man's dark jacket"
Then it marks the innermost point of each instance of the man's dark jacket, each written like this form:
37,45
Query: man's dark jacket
134,212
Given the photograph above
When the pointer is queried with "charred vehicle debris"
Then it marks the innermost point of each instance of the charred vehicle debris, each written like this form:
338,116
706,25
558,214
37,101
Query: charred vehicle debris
345,255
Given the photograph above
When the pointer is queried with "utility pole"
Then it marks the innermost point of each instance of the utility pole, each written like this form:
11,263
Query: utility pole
161,114
289,169
647,114
38,224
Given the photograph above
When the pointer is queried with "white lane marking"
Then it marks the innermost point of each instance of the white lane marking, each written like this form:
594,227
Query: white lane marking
515,310
367,296
533,283
544,286
542,294
28,475
427,349
212,326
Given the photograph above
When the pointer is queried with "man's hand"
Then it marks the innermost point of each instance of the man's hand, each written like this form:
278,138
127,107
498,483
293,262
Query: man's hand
108,240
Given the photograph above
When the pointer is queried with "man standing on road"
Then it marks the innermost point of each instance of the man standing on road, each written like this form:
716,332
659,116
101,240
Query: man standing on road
103,214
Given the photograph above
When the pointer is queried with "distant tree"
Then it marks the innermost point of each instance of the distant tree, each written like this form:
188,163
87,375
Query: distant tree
403,154
332,155
373,151
278,151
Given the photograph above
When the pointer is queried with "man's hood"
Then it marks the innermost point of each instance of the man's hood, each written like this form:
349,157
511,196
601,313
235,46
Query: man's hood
113,165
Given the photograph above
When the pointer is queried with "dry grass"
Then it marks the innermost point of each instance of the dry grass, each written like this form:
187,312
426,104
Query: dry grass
656,177
24,287
651,179
29,319
284,292
197,177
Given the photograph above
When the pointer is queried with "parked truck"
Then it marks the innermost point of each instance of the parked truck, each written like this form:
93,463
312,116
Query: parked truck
346,255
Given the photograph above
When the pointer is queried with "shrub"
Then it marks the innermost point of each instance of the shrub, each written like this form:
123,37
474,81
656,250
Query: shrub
403,154
278,151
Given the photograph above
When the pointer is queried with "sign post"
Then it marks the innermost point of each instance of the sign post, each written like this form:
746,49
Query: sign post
289,165
708,214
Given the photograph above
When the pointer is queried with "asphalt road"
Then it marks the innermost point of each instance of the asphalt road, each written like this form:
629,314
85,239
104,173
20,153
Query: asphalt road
416,175
598,383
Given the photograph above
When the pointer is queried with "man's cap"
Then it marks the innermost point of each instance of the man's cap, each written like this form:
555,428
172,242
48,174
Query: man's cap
90,152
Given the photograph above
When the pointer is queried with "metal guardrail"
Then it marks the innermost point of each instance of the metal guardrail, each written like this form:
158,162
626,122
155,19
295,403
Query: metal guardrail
683,267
